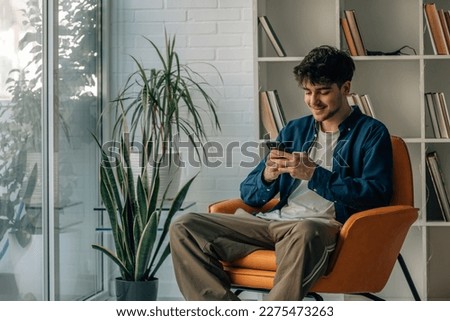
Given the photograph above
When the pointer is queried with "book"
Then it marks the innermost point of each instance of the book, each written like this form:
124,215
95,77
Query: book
265,23
355,32
443,105
438,113
447,20
433,116
348,37
445,27
368,105
277,109
266,116
441,116
434,209
363,102
439,185
435,29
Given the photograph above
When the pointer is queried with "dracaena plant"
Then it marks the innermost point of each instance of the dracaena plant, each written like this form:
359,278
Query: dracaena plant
134,213
162,103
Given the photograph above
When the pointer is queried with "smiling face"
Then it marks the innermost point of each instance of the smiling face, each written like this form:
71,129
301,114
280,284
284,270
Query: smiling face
328,103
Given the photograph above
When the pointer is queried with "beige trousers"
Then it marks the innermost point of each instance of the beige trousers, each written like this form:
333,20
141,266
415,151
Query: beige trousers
199,241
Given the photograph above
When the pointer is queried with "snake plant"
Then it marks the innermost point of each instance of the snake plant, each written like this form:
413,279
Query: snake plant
134,212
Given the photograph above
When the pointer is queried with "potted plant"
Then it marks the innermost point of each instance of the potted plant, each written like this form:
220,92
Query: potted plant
155,106
135,214
161,105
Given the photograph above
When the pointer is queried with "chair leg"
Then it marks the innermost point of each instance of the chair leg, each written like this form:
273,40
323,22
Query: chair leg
371,296
315,296
408,277
238,292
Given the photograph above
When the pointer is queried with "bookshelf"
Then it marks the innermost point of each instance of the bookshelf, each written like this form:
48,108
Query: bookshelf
396,85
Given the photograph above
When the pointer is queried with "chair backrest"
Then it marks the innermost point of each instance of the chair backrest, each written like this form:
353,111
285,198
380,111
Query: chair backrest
370,241
403,185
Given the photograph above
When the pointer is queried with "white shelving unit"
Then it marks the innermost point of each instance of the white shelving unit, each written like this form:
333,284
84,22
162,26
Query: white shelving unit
396,86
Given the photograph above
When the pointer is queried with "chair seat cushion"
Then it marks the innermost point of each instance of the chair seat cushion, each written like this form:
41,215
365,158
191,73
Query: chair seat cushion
250,278
258,260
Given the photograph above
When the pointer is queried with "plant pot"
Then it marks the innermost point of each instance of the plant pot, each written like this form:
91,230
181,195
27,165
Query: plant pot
8,290
136,290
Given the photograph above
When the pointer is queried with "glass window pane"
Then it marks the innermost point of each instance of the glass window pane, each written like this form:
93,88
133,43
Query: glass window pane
21,240
75,152
76,108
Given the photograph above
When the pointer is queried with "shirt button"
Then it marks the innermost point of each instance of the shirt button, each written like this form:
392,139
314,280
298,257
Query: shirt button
264,201
315,189
348,129
268,190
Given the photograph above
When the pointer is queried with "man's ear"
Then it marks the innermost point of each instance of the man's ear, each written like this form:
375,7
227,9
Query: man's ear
346,87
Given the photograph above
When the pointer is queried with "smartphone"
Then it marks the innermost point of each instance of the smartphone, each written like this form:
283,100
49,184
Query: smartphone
272,144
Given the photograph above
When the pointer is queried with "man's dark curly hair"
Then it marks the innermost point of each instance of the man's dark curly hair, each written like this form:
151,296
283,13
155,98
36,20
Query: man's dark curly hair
325,65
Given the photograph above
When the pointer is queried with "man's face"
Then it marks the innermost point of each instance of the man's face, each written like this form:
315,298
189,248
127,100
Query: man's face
325,101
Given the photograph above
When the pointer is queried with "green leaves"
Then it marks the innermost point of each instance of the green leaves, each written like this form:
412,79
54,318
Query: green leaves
159,103
134,214
156,105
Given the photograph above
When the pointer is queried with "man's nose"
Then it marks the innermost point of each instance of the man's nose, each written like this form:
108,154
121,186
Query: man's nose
314,98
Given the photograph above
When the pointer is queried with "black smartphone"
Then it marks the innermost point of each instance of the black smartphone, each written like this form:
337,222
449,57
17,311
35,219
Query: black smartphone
272,144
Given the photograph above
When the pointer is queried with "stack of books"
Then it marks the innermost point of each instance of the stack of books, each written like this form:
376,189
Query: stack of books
352,34
271,111
439,115
363,102
438,192
438,24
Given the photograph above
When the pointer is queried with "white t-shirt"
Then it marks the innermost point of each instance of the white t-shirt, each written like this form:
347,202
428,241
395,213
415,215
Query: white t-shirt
303,202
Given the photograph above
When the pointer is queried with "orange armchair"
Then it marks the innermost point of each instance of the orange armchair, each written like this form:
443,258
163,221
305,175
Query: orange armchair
368,245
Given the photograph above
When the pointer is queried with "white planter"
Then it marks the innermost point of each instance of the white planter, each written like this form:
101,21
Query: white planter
27,265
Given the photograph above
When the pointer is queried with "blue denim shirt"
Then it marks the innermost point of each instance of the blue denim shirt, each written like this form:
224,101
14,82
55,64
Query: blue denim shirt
361,175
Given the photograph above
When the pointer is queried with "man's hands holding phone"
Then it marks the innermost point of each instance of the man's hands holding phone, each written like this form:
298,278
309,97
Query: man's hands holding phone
297,164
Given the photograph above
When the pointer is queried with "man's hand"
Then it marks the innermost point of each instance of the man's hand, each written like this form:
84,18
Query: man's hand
297,164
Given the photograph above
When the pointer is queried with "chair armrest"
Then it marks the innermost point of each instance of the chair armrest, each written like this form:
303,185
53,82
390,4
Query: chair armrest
230,206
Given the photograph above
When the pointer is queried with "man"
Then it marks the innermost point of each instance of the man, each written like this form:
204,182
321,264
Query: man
336,162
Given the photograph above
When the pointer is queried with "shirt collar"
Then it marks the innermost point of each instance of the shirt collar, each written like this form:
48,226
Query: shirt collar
348,122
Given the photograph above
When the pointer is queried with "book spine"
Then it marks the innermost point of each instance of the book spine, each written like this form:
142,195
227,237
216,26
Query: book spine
356,35
348,37
441,188
445,112
266,116
433,116
275,109
280,108
435,182
369,105
265,23
435,28
440,116
444,28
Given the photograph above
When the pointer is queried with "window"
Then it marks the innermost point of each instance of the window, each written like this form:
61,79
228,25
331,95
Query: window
50,103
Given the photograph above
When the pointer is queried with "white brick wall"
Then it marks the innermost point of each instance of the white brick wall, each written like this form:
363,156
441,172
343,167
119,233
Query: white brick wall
218,32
